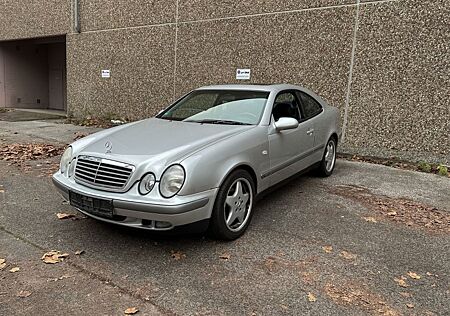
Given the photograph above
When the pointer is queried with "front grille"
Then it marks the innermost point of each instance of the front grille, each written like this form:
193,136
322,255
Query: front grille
102,173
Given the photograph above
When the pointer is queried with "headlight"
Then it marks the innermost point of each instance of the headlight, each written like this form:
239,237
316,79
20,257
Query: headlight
147,183
65,160
172,181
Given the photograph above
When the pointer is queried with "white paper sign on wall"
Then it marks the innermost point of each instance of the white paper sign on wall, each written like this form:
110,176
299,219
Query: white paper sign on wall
243,74
106,73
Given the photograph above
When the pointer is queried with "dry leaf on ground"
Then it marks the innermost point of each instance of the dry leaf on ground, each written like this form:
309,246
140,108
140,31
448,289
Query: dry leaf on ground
131,311
54,256
79,135
65,215
225,256
177,255
401,282
359,296
2,190
15,269
311,297
327,249
370,219
79,252
414,275
2,264
284,307
400,210
410,305
347,255
24,293
19,153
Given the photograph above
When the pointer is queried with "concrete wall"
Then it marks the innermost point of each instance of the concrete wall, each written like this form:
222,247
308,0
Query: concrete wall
2,80
34,18
383,63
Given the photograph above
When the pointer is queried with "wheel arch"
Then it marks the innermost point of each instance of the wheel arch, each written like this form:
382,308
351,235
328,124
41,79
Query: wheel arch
335,136
246,167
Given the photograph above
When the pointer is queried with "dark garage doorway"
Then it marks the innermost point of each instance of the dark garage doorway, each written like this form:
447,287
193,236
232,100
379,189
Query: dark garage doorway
33,74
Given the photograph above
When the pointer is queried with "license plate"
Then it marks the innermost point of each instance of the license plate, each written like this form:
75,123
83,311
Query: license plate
94,206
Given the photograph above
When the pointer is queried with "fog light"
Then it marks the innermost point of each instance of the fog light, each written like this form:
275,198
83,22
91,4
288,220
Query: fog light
162,224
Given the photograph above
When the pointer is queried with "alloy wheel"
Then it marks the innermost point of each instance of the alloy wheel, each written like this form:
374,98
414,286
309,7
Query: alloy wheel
330,156
238,204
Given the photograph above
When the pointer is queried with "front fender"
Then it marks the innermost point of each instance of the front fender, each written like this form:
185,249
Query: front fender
208,168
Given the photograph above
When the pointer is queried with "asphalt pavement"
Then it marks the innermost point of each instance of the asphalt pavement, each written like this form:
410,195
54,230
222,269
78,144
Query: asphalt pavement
368,240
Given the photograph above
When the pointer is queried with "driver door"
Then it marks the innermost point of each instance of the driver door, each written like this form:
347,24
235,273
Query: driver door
288,150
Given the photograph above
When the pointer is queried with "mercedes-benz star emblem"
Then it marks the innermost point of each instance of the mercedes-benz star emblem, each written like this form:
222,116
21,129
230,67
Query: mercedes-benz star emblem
108,146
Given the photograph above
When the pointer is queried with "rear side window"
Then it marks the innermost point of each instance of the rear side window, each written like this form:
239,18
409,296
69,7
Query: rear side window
309,105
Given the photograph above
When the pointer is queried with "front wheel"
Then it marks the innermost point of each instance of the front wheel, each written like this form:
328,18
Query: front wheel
233,207
328,162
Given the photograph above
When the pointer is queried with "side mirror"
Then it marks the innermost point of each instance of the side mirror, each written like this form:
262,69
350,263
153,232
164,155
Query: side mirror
285,123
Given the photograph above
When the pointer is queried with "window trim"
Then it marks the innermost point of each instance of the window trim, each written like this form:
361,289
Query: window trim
299,107
299,95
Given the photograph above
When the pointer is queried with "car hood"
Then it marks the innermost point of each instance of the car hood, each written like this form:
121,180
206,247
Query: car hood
157,139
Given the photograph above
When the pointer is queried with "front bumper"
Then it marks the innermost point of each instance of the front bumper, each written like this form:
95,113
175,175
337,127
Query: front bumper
133,210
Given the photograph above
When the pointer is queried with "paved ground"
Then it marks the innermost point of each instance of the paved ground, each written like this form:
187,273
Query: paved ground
337,246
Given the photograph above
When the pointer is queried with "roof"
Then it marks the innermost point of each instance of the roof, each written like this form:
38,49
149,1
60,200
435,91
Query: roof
251,87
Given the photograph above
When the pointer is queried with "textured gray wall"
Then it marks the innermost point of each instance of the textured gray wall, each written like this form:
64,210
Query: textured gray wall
34,18
383,63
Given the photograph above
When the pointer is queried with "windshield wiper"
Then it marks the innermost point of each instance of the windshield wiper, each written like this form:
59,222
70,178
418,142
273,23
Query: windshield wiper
224,122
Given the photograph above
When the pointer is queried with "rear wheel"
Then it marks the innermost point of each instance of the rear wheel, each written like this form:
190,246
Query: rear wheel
233,207
328,162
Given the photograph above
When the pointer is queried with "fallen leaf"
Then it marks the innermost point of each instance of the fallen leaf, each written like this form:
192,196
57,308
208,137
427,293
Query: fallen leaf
347,255
131,311
311,297
225,256
401,282
65,216
414,275
79,135
393,213
24,294
54,256
79,252
15,269
178,255
2,264
410,305
370,219
2,191
327,249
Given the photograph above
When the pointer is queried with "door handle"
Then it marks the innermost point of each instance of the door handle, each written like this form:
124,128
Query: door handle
310,132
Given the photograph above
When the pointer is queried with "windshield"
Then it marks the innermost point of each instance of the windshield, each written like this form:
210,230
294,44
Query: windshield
219,107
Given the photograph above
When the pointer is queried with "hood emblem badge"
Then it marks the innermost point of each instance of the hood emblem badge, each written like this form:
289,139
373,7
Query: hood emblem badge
108,146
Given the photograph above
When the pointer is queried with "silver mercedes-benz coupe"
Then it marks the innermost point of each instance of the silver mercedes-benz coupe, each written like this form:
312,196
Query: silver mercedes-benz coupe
202,160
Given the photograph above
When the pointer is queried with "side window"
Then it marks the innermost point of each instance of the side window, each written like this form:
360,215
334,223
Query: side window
310,106
286,105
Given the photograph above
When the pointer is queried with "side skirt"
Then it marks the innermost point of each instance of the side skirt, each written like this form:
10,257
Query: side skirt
285,181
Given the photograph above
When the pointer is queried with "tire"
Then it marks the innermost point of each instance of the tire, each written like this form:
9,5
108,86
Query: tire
233,208
326,166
